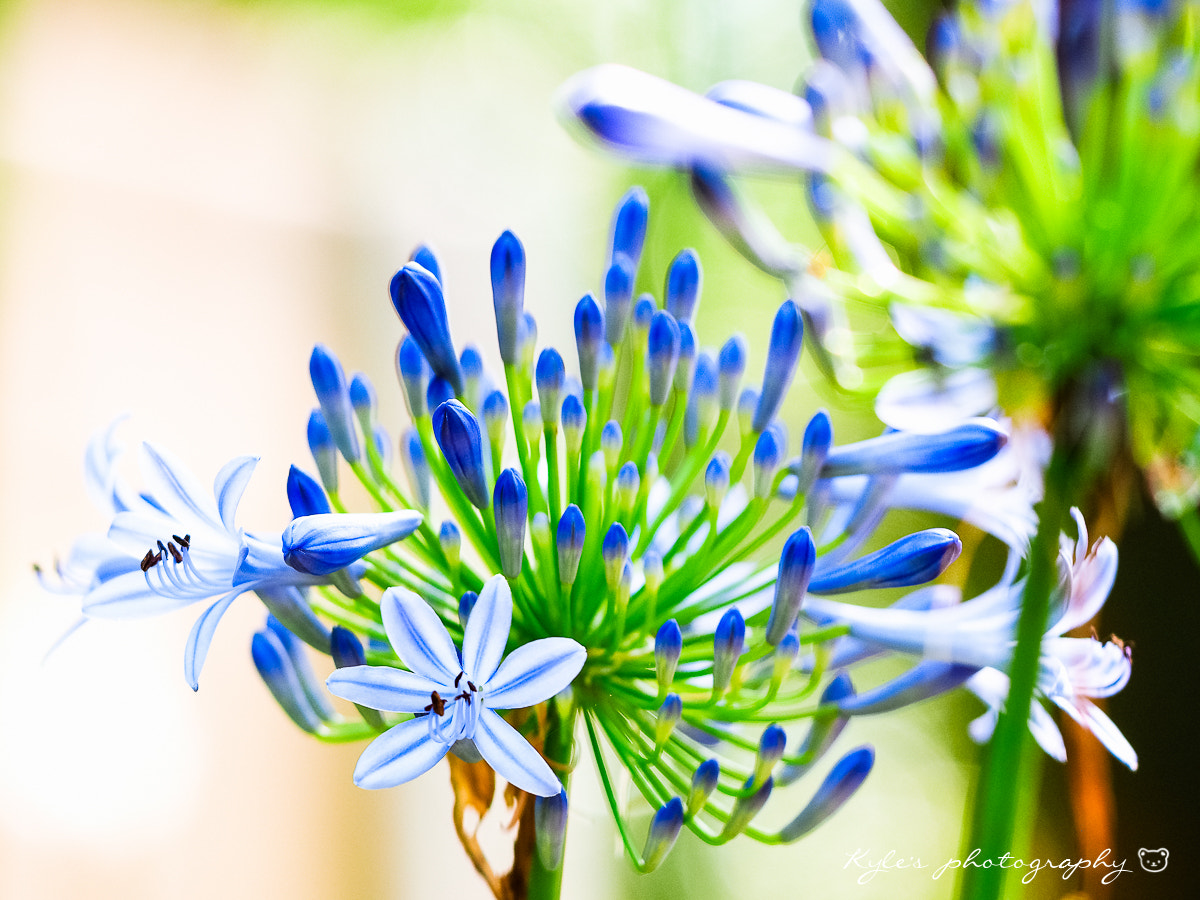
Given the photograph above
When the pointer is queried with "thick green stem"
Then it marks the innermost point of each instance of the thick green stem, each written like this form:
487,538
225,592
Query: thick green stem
559,750
1003,779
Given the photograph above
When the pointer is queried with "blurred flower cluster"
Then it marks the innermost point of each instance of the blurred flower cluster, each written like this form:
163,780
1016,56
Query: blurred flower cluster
1022,206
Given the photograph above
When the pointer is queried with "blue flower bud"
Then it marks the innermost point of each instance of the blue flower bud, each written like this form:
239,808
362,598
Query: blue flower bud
424,257
511,506
418,299
837,31
701,399
450,540
785,655
768,455
668,645
531,423
324,543
527,339
416,466
618,298
277,672
574,421
329,382
787,335
732,364
686,366
814,450
608,366
629,224
589,338
746,808
969,445
345,648
626,488
704,782
320,443
615,551
383,447
683,286
662,356
414,375
508,294
305,496
495,417
573,387
716,479
549,376
569,541
668,717
550,829
471,363
770,750
363,401
664,832
466,603
652,570
643,315
796,564
839,786
914,559
610,443
457,433
439,391
746,405
729,640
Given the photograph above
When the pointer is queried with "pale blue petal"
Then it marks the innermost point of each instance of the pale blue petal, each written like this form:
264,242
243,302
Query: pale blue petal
201,636
929,402
176,490
1094,720
534,672
418,636
653,121
385,688
486,634
230,484
129,596
512,757
398,755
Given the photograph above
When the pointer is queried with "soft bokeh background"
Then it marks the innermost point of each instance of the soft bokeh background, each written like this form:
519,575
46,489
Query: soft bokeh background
192,194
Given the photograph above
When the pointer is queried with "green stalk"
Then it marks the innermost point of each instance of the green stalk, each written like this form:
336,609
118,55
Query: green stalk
1003,778
559,750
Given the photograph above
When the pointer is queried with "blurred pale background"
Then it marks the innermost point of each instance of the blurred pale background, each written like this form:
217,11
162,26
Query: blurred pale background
193,193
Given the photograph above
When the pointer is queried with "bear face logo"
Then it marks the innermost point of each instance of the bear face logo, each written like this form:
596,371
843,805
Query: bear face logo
1153,860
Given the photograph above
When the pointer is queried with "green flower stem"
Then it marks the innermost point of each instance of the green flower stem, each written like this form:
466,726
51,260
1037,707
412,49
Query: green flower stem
559,750
1002,779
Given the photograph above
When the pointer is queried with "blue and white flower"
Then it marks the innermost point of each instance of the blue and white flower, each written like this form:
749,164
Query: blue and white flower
455,700
176,543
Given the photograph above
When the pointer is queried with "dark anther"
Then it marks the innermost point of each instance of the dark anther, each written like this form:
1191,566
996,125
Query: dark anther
459,678
175,554
438,705
472,686
184,542
150,560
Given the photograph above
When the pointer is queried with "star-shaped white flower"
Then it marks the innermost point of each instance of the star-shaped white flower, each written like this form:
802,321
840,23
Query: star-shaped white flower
455,699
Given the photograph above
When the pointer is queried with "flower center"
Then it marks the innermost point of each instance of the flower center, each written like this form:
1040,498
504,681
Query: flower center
453,718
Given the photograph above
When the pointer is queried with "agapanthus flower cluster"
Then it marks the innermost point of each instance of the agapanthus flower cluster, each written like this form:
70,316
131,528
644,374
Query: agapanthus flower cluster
1023,206
636,556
